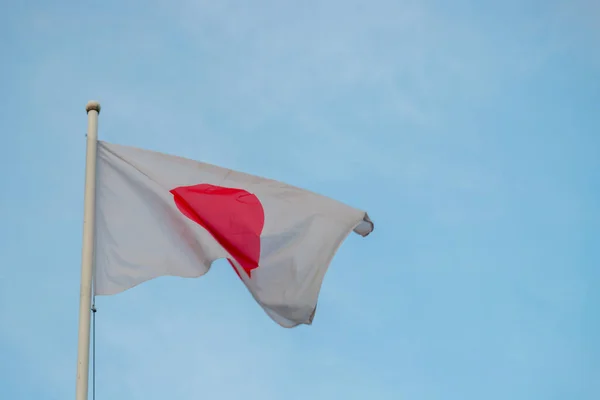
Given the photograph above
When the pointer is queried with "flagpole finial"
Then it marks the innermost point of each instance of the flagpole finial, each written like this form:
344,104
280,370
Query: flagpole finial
93,106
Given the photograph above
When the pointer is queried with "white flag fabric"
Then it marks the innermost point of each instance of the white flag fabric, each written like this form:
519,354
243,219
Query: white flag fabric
162,215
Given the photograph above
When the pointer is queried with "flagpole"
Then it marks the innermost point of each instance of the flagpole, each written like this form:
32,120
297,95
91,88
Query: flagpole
87,253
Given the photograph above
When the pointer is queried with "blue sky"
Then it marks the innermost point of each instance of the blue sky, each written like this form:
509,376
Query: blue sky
469,130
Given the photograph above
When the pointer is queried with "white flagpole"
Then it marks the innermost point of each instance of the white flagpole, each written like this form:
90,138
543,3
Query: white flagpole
87,253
